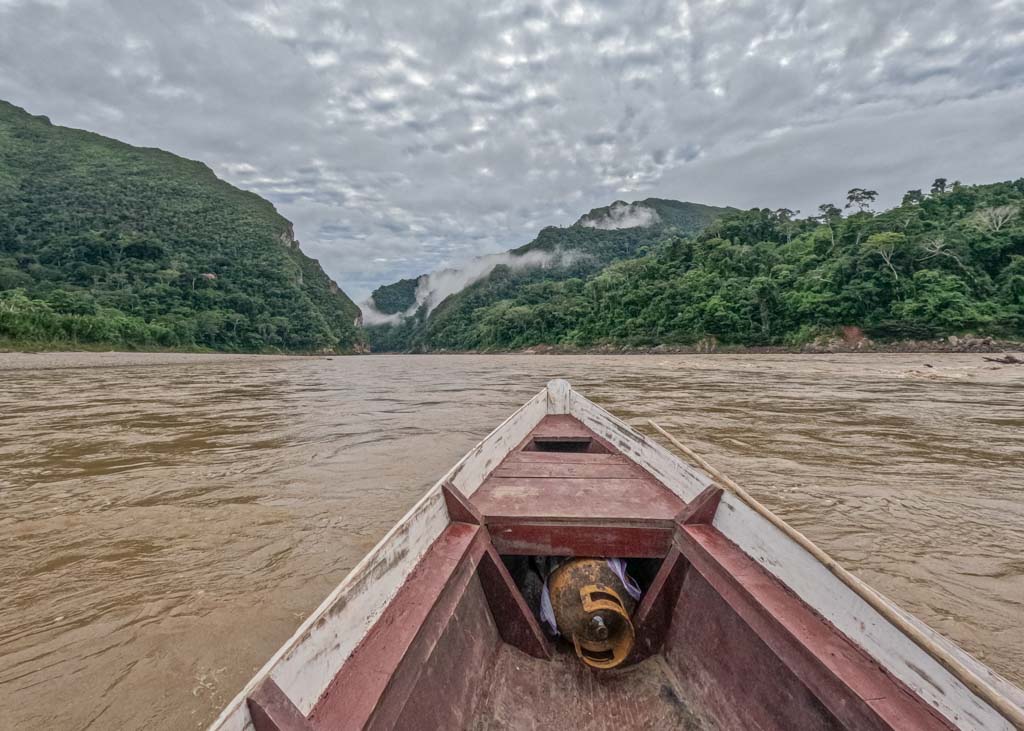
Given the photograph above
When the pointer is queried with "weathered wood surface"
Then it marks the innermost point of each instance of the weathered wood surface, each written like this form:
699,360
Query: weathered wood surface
460,509
653,616
313,657
559,392
828,596
725,669
478,463
563,458
272,710
702,509
530,487
561,695
854,688
683,480
611,499
516,623
581,538
305,665
377,679
554,426
568,471
448,686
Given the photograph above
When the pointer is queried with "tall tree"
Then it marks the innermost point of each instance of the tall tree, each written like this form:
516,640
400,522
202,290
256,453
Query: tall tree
861,197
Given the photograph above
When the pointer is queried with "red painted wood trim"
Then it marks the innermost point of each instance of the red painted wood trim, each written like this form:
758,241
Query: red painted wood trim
374,682
272,710
460,509
563,425
702,508
852,685
581,538
652,618
574,498
567,470
516,623
584,458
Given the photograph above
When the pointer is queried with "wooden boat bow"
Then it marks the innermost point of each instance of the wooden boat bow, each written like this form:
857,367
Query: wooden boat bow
742,623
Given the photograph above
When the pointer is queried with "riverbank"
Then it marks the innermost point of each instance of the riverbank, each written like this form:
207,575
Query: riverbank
40,361
27,357
953,344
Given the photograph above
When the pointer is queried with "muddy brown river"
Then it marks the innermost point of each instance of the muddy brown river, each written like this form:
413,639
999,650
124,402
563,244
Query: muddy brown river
166,521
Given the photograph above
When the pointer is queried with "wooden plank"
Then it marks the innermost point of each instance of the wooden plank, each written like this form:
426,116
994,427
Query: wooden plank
376,679
724,668
516,623
625,499
820,589
460,509
272,710
564,428
448,684
312,656
560,439
587,458
702,509
484,457
653,616
844,679
522,693
683,480
581,538
570,470
558,396
560,426
326,639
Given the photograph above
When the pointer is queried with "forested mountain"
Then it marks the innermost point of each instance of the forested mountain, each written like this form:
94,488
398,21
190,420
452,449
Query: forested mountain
944,262
602,236
114,245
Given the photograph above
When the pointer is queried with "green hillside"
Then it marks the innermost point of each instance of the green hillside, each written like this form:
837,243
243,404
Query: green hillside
396,297
946,262
576,252
107,244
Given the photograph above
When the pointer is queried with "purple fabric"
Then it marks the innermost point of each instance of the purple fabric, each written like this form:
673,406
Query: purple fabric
619,567
547,613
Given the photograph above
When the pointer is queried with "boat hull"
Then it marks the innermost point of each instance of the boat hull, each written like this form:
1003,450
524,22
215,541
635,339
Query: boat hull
739,625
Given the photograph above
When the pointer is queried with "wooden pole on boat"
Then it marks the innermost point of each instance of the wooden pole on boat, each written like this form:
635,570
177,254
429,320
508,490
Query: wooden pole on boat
977,685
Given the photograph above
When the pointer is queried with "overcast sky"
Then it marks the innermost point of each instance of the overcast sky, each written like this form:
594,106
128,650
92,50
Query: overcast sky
399,138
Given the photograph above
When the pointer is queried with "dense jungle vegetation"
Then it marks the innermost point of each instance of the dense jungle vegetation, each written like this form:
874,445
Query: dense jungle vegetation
946,261
110,245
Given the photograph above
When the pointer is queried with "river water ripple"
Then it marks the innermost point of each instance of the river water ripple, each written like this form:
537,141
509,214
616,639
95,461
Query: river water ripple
167,521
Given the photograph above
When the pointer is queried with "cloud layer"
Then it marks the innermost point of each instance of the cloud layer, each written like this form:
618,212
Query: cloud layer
432,289
402,137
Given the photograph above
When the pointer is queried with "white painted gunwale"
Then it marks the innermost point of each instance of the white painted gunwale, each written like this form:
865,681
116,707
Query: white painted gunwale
310,659
816,585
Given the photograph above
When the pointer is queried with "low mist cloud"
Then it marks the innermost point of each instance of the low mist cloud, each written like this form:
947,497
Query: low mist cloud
623,215
432,289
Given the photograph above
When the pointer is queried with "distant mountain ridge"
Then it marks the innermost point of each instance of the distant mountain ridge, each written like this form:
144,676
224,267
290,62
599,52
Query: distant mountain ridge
598,238
108,244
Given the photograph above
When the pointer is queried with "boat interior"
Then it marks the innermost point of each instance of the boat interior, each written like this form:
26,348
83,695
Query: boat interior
717,642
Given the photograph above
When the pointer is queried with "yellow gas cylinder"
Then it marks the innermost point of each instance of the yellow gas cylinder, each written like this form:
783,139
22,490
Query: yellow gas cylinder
592,609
